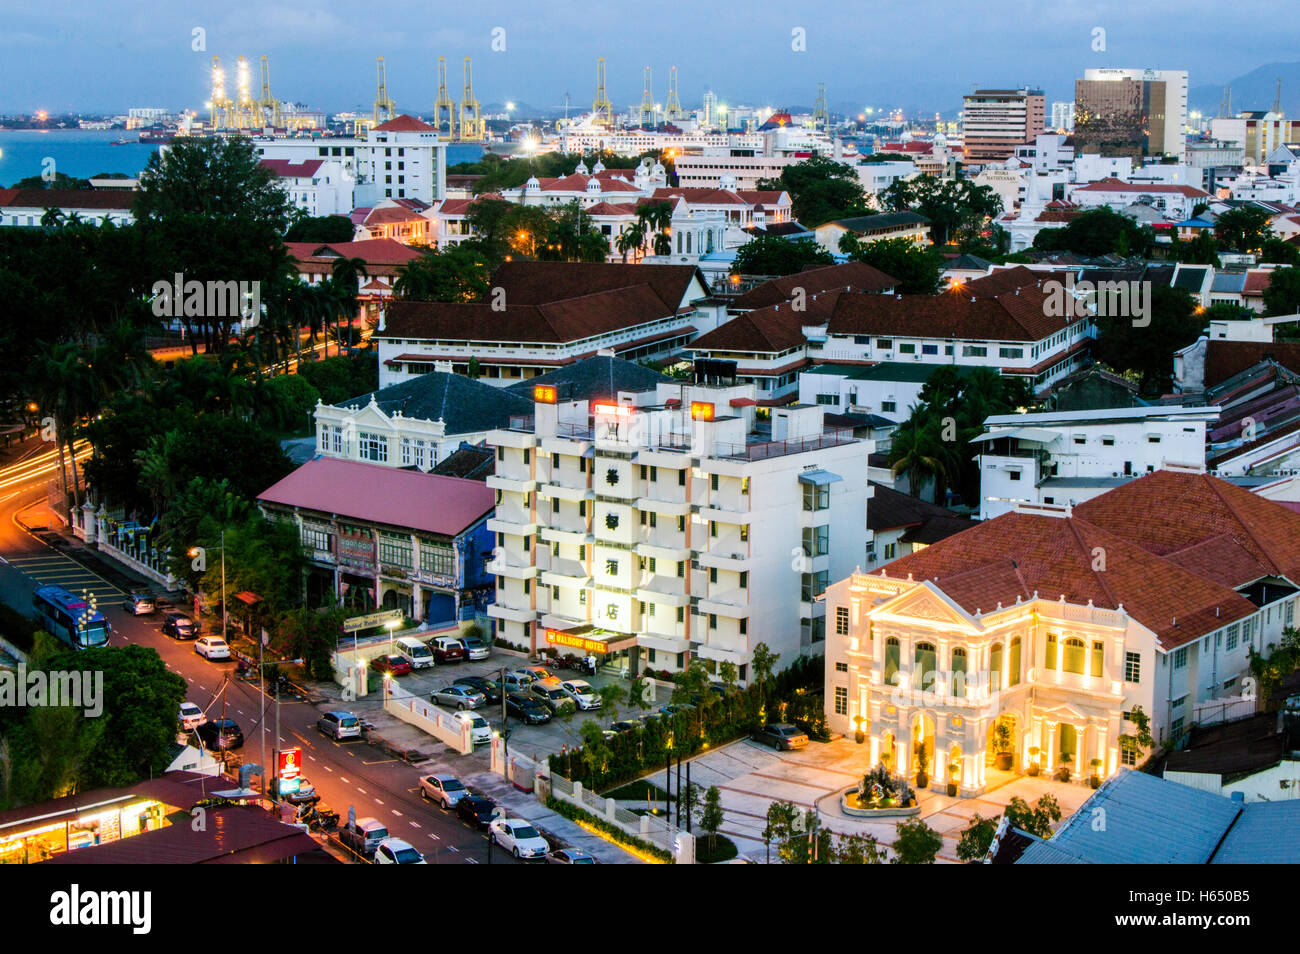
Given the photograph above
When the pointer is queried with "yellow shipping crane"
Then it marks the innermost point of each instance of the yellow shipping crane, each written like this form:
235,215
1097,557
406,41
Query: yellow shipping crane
647,102
602,109
385,108
444,104
244,106
219,106
673,105
472,127
268,107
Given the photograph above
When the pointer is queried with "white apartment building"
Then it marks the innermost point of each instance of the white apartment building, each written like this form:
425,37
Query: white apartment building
707,169
1175,202
1058,624
1062,458
26,207
400,159
316,186
661,526
1062,116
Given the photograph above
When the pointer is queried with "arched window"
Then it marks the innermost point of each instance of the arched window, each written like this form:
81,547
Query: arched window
924,664
892,653
1050,662
1013,663
959,673
1074,656
688,242
995,667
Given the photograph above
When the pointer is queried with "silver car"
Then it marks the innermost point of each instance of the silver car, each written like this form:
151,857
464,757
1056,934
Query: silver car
458,697
139,603
581,692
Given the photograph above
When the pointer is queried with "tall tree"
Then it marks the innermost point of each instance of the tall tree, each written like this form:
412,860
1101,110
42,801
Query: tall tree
820,189
956,208
771,255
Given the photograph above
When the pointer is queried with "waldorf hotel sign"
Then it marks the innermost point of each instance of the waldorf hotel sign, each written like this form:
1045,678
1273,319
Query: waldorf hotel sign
589,639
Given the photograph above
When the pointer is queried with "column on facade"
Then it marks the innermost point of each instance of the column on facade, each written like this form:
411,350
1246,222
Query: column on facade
1080,744
902,755
417,595
1106,767
1050,727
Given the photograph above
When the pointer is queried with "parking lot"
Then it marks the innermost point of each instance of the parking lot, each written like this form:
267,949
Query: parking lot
535,741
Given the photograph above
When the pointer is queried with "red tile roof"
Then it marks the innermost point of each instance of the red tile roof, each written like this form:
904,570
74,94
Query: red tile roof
768,330
288,169
1111,184
383,495
1223,359
700,196
854,276
380,251
1176,545
532,283
1257,283
405,123
613,208
68,199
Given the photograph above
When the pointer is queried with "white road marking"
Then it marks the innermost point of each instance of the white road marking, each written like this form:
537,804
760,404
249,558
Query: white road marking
453,848
434,837
413,824
470,861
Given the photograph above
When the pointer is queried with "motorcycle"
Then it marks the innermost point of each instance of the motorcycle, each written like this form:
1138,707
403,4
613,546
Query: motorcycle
317,817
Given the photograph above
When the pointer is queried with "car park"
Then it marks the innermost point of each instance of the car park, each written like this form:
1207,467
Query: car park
220,734
191,716
538,672
518,680
212,647
394,851
476,647
139,603
550,693
480,733
458,697
582,693
179,626
415,651
339,725
445,789
489,688
527,709
447,649
570,856
781,736
518,837
391,663
478,810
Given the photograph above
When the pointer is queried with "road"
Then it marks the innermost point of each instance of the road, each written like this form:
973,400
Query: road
350,773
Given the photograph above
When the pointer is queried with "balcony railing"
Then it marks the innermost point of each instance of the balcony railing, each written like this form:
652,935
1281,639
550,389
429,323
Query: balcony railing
769,449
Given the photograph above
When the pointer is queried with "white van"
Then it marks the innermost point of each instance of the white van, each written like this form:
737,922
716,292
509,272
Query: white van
417,653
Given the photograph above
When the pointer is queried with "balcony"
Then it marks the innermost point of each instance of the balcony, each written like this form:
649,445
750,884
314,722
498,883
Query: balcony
513,571
765,450
509,613
511,484
565,572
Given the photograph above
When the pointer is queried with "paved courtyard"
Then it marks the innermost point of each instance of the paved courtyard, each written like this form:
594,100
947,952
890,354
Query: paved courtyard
751,777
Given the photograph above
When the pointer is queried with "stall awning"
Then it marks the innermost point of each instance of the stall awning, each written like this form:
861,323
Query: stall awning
818,477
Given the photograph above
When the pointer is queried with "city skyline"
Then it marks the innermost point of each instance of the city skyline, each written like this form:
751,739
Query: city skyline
317,59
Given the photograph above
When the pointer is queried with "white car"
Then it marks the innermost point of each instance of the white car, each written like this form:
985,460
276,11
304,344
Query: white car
582,693
212,647
445,789
480,733
191,716
519,837
394,851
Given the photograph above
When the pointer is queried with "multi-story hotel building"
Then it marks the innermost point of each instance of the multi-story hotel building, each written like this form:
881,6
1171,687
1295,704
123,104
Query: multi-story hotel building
995,121
660,526
1059,622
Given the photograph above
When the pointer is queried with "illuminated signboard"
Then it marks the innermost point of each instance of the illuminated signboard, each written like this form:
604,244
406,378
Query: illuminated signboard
618,410
289,765
544,393
701,411
557,638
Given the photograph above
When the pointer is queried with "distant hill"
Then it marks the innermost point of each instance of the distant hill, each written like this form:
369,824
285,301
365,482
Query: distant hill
1253,90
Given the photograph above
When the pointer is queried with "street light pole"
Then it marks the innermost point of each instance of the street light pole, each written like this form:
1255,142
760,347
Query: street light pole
223,583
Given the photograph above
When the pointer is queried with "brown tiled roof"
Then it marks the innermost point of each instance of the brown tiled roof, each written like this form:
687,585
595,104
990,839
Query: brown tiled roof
854,276
1257,282
1019,315
773,329
1111,184
612,208
405,123
380,251
1006,279
388,214
532,283
68,199
1019,554
889,510
1223,359
701,195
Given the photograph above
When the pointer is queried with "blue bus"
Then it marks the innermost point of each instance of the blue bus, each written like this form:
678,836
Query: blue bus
70,618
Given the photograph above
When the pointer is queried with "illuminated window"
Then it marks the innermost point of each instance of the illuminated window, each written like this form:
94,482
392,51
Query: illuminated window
1073,656
841,621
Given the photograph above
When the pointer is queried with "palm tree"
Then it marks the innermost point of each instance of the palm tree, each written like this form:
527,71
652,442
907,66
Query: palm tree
630,239
656,220
345,276
920,452
65,388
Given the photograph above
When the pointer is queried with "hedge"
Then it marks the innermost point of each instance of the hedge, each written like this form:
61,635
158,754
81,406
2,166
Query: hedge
617,835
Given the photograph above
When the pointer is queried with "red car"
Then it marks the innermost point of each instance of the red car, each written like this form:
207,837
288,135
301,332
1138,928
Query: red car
394,665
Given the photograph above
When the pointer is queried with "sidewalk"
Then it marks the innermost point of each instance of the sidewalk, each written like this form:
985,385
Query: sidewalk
46,525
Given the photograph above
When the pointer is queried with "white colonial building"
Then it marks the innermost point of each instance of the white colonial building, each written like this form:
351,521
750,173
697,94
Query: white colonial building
660,526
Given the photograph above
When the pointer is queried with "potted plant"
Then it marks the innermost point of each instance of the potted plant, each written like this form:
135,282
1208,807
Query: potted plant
858,735
1033,760
1063,768
1095,779
922,763
953,769
1002,757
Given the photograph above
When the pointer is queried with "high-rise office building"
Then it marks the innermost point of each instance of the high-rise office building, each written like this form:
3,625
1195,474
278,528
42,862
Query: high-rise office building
1063,117
995,121
710,107
1129,112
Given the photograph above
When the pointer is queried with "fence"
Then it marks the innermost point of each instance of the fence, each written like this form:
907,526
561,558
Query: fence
1227,709
657,831
436,722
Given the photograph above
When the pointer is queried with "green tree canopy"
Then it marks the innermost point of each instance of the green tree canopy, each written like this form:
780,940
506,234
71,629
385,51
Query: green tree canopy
956,208
321,228
820,190
1099,231
916,267
459,273
1148,349
1242,229
770,255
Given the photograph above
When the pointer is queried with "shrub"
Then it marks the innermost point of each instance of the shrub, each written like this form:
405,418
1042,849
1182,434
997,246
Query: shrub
616,835
917,843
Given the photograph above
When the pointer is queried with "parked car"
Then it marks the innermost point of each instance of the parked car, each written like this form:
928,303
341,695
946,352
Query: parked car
480,733
518,837
458,697
489,688
339,725
582,693
191,716
139,603
624,725
527,709
304,794
394,851
416,652
212,647
442,788
447,649
518,680
539,672
671,710
219,734
570,856
179,626
549,691
782,736
364,836
392,664
478,810
476,647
